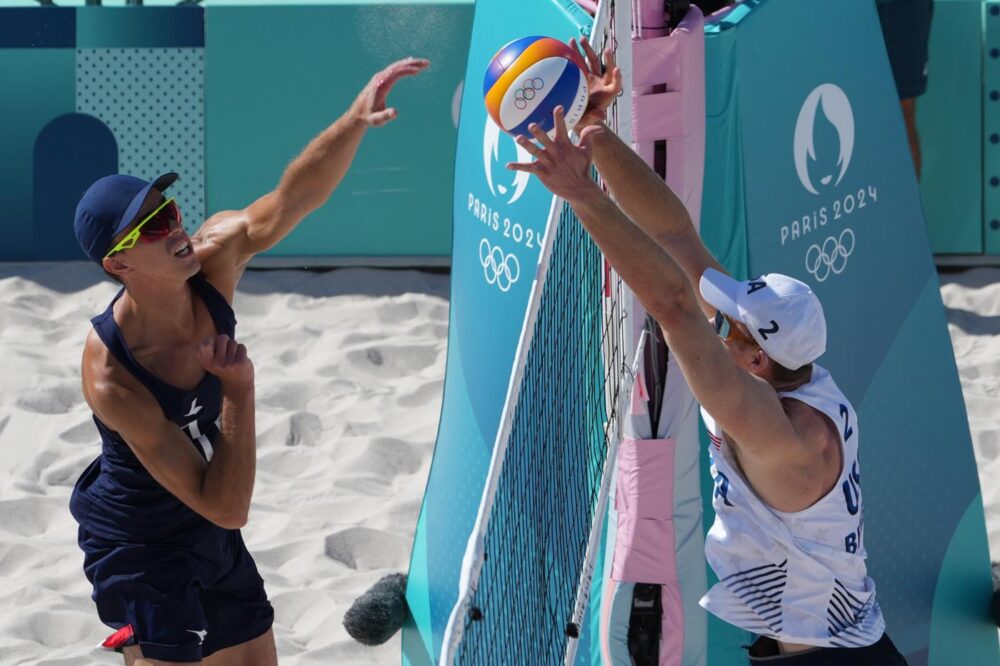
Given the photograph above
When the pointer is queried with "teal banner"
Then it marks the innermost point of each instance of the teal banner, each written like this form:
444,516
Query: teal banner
145,90
101,90
500,219
829,196
266,98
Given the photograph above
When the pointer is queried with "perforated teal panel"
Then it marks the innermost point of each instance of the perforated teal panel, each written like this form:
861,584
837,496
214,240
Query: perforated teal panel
153,101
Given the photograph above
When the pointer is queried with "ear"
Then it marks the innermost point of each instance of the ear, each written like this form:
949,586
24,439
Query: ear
760,362
116,266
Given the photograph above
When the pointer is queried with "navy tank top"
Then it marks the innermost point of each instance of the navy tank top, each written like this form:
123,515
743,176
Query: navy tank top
115,497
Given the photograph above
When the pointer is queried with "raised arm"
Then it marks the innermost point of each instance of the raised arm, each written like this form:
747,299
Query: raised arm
637,189
744,405
234,237
219,490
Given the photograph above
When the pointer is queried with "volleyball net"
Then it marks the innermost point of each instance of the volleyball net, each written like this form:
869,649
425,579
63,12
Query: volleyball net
529,566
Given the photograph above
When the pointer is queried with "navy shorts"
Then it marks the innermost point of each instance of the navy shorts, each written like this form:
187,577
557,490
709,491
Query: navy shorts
185,597
906,26
882,653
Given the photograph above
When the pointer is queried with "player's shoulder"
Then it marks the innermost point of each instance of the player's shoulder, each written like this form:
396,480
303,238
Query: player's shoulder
816,431
217,244
108,387
220,231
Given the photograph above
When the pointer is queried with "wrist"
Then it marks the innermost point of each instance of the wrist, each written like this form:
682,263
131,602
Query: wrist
589,196
239,391
591,121
355,116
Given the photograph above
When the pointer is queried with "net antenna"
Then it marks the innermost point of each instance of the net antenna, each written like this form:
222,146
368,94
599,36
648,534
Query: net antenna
529,563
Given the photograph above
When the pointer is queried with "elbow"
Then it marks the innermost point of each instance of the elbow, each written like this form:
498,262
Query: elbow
238,522
233,519
673,305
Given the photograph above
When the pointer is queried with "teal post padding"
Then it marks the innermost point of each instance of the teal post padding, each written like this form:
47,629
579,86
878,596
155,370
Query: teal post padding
962,624
724,231
500,220
829,197
723,188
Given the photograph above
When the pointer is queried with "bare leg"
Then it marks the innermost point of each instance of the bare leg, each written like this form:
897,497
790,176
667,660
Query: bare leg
258,652
133,657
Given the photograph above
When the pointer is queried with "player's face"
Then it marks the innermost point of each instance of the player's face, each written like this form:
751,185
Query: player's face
162,247
742,348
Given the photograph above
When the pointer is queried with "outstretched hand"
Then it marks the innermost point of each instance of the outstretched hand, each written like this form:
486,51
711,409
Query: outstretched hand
564,168
370,105
605,83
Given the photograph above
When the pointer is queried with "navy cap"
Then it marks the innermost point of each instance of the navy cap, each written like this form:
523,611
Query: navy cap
108,207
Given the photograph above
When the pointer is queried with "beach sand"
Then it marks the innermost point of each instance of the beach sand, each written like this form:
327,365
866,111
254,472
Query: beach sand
349,370
349,366
972,306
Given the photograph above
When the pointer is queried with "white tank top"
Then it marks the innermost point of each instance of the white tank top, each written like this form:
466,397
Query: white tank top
794,577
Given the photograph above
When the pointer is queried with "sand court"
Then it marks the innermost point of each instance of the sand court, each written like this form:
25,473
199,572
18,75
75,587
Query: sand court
349,366
349,370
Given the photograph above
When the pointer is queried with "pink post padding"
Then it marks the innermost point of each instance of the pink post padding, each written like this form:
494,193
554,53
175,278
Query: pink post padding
686,154
656,61
676,61
649,23
644,550
672,627
658,116
668,98
644,543
645,486
650,18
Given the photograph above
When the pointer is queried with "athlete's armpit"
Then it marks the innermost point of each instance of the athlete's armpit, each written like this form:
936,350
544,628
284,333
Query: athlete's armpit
746,407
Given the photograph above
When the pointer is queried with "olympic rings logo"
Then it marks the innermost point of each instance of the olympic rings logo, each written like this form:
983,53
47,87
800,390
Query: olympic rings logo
831,256
527,91
498,268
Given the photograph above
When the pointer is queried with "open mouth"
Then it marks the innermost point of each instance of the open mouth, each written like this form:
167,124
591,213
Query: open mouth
183,250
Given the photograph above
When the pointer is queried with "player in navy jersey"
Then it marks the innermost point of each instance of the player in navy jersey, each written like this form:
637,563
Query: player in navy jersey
160,510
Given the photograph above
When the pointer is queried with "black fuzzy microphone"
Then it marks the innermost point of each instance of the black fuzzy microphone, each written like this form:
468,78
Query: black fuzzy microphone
995,601
379,613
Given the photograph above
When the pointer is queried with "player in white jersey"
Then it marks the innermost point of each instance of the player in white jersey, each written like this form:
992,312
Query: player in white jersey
787,544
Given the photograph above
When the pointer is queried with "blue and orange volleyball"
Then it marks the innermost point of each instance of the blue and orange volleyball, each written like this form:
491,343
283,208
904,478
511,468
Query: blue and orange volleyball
528,78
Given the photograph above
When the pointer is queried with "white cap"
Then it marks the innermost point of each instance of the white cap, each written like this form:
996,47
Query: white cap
783,314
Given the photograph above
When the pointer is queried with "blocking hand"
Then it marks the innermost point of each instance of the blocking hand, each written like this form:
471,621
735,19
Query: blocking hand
605,84
564,168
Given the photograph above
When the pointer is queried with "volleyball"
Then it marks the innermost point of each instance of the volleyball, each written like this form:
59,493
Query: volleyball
528,78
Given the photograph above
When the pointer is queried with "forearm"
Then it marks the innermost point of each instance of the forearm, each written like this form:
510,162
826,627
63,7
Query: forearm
312,176
229,478
640,192
655,278
653,206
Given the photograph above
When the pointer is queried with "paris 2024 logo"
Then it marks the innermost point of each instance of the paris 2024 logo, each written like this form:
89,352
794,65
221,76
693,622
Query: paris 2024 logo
822,149
495,206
